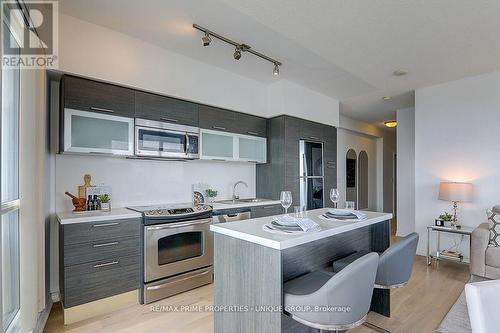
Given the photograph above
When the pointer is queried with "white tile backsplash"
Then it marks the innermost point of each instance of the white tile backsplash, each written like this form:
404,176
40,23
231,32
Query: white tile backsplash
143,182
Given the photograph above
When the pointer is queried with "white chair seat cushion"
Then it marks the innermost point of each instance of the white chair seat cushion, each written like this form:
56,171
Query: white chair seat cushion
482,303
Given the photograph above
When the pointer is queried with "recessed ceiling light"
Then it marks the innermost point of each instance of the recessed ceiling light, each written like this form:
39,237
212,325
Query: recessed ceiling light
391,123
399,72
386,98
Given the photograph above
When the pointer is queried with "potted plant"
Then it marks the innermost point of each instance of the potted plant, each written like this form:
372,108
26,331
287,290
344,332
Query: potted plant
105,204
446,218
211,194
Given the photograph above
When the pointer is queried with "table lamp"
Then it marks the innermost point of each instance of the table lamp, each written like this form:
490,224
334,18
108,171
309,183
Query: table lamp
455,192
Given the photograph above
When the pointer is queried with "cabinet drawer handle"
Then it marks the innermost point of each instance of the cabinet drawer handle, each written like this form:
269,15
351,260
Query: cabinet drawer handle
219,128
314,137
106,264
269,207
170,120
102,110
105,244
104,225
330,162
253,133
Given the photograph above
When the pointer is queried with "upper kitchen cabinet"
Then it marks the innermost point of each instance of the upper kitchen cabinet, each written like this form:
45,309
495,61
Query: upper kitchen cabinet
162,108
222,146
88,95
230,121
251,125
311,131
217,119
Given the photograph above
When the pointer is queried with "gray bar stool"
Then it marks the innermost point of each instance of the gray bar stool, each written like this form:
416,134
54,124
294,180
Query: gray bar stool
346,296
394,268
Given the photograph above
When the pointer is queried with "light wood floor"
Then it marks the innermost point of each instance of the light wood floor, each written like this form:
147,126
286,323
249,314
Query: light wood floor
419,307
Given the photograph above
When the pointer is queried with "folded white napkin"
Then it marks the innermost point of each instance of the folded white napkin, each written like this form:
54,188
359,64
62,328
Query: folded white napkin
306,224
359,216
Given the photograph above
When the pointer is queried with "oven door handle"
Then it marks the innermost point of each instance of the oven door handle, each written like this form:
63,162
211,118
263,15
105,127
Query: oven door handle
179,280
179,225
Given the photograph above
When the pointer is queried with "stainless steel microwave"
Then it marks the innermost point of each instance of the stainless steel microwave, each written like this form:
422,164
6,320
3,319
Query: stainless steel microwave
160,139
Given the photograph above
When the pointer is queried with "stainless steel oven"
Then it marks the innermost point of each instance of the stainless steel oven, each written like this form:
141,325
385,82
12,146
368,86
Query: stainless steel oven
160,139
177,249
174,248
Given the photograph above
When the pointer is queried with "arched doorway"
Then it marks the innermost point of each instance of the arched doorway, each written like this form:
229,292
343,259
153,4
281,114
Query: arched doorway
350,177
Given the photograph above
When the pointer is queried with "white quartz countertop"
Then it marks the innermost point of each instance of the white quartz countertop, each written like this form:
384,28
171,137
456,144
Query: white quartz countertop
221,206
251,230
93,216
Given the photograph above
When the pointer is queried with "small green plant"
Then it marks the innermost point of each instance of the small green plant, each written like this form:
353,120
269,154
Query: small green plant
446,217
211,193
104,198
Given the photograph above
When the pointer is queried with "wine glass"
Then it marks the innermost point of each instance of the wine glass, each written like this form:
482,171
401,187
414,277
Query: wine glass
334,196
349,205
286,200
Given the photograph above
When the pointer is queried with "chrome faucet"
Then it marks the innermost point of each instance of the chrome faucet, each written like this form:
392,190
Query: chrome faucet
236,197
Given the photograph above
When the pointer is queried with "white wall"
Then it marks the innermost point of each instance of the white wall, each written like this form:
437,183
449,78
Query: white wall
33,196
457,135
286,97
406,171
346,140
145,182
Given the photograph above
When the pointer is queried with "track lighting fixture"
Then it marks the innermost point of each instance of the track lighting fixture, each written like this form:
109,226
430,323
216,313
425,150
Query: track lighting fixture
239,47
237,53
206,39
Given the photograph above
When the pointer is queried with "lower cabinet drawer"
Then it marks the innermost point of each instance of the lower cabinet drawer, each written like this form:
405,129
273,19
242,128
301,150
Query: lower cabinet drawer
262,211
75,254
100,279
75,233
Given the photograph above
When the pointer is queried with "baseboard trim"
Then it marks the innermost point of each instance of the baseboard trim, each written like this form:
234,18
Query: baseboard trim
43,316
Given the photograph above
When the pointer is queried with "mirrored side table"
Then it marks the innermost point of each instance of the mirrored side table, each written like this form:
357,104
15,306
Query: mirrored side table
465,231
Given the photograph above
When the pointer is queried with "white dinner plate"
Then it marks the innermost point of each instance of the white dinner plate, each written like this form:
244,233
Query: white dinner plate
337,211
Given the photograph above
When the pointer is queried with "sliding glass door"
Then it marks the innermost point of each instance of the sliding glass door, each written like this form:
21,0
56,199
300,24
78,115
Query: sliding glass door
9,169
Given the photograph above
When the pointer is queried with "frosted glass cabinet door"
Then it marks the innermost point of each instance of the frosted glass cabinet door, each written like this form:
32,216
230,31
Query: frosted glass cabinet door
217,145
252,149
90,132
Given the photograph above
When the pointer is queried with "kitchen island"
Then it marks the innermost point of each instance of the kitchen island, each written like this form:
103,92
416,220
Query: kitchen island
251,265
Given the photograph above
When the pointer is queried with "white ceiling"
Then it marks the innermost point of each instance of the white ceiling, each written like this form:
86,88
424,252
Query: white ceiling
344,49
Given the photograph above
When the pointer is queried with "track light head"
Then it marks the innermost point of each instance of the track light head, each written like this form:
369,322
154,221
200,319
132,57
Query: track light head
206,39
276,70
237,53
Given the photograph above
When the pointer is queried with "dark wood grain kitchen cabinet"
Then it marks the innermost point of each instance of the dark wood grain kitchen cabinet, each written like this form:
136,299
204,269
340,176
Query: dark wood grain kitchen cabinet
311,131
217,119
163,108
281,173
250,125
88,95
267,210
98,259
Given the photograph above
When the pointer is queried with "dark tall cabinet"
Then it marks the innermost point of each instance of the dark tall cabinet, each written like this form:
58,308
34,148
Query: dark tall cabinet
282,170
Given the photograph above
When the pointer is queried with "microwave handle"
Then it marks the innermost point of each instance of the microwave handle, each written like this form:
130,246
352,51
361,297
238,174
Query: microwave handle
187,144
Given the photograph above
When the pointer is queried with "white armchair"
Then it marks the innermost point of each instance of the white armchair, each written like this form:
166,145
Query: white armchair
482,303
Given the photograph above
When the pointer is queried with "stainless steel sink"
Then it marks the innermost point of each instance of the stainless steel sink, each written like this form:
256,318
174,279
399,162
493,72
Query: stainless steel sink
238,201
253,200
